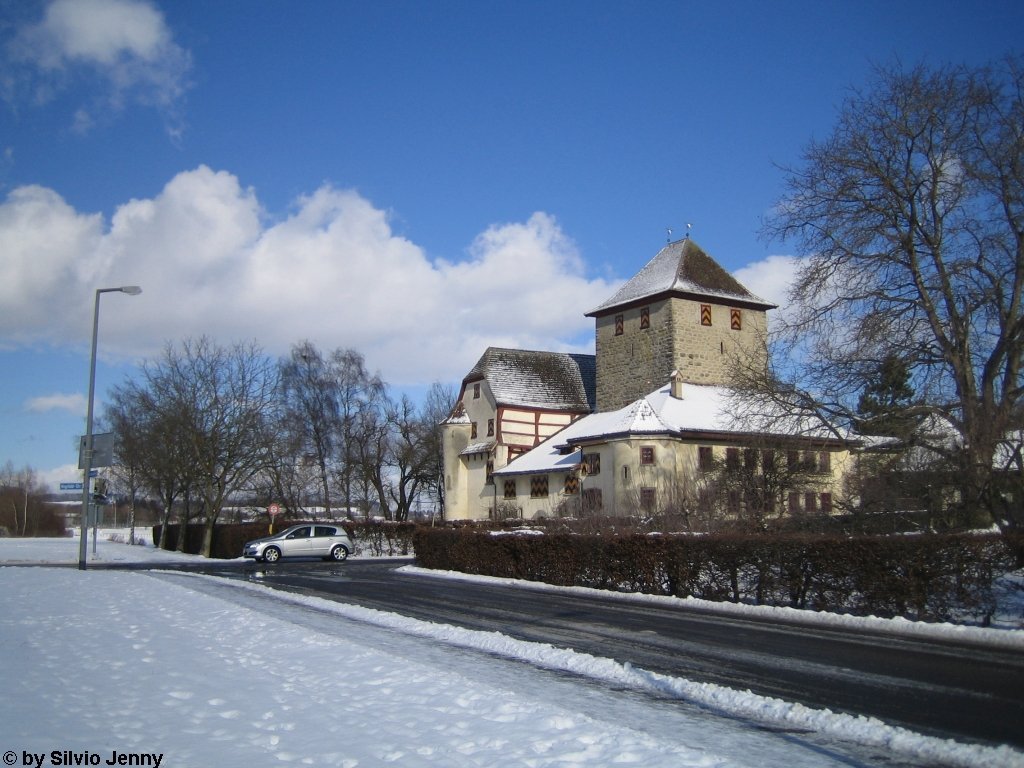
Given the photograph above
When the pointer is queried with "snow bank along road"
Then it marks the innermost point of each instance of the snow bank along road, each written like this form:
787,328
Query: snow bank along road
192,671
949,686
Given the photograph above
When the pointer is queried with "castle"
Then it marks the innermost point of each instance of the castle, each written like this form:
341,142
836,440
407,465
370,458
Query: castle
644,426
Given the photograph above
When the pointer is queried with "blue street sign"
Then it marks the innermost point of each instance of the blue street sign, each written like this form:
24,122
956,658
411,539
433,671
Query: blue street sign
71,486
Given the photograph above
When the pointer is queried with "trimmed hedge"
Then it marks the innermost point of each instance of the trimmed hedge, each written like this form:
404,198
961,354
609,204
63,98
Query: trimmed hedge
922,578
378,539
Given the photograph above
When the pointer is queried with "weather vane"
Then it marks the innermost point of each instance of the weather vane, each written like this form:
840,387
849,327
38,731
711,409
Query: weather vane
668,233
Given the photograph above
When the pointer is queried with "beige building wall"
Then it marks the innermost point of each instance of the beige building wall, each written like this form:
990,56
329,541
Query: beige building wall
626,485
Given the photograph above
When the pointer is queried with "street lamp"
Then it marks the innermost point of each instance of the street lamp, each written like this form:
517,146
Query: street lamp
131,290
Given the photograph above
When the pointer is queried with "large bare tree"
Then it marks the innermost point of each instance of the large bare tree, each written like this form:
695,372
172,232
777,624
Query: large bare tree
215,403
911,218
309,393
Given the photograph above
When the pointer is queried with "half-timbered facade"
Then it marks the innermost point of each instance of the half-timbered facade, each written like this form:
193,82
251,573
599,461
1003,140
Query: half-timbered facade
511,402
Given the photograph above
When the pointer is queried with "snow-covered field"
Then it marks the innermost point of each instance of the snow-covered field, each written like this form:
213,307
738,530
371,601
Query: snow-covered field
185,670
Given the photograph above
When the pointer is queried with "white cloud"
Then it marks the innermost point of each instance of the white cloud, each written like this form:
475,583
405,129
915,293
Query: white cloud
74,404
771,279
125,45
211,261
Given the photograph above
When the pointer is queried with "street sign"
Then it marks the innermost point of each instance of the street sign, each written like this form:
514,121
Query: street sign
102,450
274,510
71,486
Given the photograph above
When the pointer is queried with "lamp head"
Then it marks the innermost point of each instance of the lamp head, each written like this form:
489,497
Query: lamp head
131,290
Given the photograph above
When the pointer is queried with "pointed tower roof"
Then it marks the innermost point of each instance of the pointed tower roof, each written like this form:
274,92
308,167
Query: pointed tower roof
682,269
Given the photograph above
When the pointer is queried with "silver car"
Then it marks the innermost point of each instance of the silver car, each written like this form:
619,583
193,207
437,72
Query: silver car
305,540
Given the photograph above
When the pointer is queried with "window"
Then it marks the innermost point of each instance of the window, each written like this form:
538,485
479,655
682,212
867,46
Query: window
572,484
750,459
647,498
826,503
510,489
490,472
704,500
646,454
476,391
472,431
706,458
592,463
793,460
490,427
301,533
705,314
794,502
619,325
625,473
824,462
325,530
810,502
736,319
592,500
539,487
645,318
733,502
768,459
732,458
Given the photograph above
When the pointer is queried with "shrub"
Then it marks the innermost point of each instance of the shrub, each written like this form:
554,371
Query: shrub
930,578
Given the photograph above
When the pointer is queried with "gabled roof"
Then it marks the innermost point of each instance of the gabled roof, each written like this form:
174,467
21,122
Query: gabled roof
682,269
702,411
554,381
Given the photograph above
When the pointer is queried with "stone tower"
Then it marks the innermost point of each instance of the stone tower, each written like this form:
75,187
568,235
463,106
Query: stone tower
681,312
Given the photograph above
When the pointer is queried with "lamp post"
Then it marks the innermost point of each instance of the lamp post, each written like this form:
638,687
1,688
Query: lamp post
131,290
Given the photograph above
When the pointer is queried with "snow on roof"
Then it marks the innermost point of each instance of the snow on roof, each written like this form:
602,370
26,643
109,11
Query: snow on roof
485,447
557,381
702,410
682,267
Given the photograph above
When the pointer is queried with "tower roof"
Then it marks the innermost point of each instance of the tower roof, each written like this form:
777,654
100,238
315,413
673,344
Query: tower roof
682,269
548,380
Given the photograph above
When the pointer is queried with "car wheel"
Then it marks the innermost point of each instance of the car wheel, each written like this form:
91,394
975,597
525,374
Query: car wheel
271,554
339,553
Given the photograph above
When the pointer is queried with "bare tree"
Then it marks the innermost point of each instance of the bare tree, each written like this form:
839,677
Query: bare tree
309,393
437,406
123,418
20,489
215,402
149,424
359,395
912,216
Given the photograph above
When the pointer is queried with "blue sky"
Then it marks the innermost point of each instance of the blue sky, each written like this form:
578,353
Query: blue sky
416,180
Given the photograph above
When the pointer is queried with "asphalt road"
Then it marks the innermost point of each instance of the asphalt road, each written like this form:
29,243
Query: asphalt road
944,689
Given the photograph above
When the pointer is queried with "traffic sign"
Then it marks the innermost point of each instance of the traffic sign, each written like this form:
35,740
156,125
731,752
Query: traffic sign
274,509
71,486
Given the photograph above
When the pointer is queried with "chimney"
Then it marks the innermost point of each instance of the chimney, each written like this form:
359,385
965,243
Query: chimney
676,385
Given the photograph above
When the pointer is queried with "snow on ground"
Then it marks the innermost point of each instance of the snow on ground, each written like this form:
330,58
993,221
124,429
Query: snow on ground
195,671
